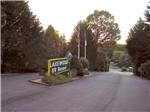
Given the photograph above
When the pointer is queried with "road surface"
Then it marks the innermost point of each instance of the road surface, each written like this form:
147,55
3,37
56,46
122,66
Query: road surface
104,92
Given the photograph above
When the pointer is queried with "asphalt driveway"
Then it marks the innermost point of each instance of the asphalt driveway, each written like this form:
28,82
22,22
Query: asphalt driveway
109,92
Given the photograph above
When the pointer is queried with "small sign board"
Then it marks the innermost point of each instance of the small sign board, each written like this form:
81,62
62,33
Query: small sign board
57,66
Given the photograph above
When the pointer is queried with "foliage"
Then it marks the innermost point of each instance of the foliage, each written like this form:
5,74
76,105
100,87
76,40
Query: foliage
120,47
76,64
54,46
124,61
57,79
85,62
138,45
101,33
103,27
73,72
21,35
79,67
25,46
144,69
147,13
121,56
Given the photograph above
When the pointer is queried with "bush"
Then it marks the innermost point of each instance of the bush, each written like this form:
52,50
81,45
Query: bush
57,79
144,70
73,72
85,62
76,64
104,65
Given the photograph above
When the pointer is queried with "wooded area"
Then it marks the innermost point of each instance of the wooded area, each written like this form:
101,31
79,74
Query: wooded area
26,47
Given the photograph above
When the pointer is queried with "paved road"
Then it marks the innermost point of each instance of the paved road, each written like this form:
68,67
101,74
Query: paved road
103,92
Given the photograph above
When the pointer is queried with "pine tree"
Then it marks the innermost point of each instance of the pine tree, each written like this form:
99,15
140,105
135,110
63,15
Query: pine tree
138,44
21,35
147,13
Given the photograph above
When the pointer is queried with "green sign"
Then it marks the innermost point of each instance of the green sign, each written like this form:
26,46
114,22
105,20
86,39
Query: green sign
57,66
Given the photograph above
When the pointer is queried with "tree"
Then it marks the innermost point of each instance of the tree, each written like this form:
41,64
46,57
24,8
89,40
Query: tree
82,28
25,46
55,44
121,57
103,26
63,47
21,34
138,44
101,33
147,13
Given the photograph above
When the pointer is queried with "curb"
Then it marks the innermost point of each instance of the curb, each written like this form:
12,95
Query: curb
39,81
17,74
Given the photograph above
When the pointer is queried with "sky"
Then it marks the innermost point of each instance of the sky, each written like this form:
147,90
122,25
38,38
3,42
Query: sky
65,14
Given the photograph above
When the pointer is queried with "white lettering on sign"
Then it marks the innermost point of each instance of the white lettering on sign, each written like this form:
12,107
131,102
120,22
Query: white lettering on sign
54,70
61,69
59,63
57,66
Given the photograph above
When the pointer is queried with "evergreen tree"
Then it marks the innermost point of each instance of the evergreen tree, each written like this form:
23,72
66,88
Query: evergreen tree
138,44
21,35
147,13
54,44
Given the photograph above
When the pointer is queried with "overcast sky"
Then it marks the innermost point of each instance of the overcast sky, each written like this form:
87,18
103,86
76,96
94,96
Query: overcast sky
65,14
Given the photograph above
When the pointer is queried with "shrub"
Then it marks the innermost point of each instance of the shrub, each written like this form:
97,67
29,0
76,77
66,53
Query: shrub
85,62
104,65
144,70
73,72
76,64
57,79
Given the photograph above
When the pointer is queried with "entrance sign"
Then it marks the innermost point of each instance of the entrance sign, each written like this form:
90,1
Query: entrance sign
57,66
